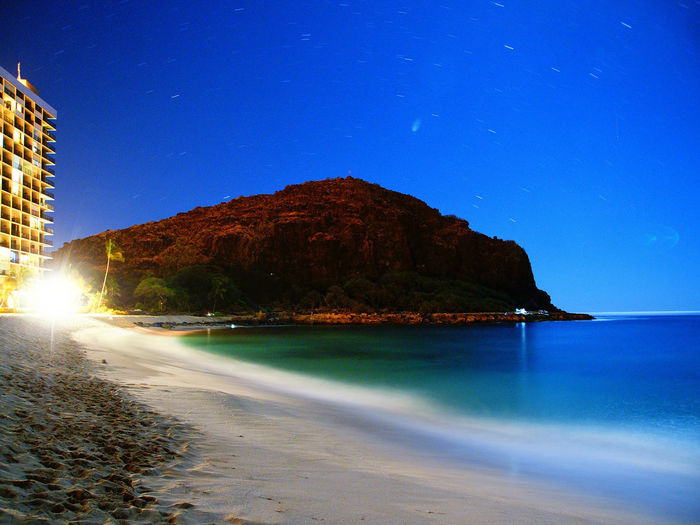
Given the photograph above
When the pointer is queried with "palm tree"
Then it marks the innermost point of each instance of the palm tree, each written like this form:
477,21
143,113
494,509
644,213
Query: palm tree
219,289
114,252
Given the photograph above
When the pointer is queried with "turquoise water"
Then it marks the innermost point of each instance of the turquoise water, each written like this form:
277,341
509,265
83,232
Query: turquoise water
627,372
610,407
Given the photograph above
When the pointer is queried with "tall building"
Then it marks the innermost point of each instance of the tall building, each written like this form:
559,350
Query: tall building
28,137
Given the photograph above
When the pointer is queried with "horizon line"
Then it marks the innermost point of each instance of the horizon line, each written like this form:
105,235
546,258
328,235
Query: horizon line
647,312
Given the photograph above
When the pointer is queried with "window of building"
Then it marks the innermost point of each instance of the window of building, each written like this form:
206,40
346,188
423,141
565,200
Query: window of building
16,181
9,103
5,255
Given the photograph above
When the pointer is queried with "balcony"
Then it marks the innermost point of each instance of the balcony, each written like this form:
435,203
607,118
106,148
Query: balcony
49,194
50,170
48,242
50,134
49,207
48,231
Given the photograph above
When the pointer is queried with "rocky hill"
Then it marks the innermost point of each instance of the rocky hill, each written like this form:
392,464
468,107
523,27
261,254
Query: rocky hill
340,243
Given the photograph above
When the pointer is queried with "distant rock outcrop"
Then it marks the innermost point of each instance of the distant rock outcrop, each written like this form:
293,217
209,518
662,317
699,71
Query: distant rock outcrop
315,235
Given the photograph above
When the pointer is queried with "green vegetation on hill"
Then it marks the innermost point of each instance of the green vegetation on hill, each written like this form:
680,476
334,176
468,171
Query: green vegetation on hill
203,288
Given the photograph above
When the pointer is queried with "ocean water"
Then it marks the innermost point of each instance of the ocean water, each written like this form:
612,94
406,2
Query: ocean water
626,371
612,405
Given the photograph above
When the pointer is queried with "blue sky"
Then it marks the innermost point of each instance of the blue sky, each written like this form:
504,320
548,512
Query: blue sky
572,128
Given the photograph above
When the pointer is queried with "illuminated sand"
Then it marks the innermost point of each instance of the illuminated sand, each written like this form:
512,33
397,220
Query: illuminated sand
267,454
72,446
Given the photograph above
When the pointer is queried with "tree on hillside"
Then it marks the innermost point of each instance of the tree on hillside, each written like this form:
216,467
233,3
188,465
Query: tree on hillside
223,289
154,292
114,253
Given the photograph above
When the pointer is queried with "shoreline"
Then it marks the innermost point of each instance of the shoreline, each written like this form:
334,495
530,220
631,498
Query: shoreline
179,321
257,454
294,456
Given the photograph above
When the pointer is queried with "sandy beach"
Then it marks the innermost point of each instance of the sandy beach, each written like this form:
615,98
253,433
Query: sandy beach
104,421
72,445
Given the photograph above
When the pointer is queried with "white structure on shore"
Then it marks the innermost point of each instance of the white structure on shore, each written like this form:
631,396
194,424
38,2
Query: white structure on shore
27,156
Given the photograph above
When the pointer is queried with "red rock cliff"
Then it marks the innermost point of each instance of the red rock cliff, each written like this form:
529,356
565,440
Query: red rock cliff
322,232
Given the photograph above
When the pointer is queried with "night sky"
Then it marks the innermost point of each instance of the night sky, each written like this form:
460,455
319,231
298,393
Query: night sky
572,128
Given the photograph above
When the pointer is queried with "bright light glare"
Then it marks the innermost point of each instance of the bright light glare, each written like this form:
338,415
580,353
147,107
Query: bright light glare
55,297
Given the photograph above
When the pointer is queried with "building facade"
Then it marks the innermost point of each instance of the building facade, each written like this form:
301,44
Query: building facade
27,154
